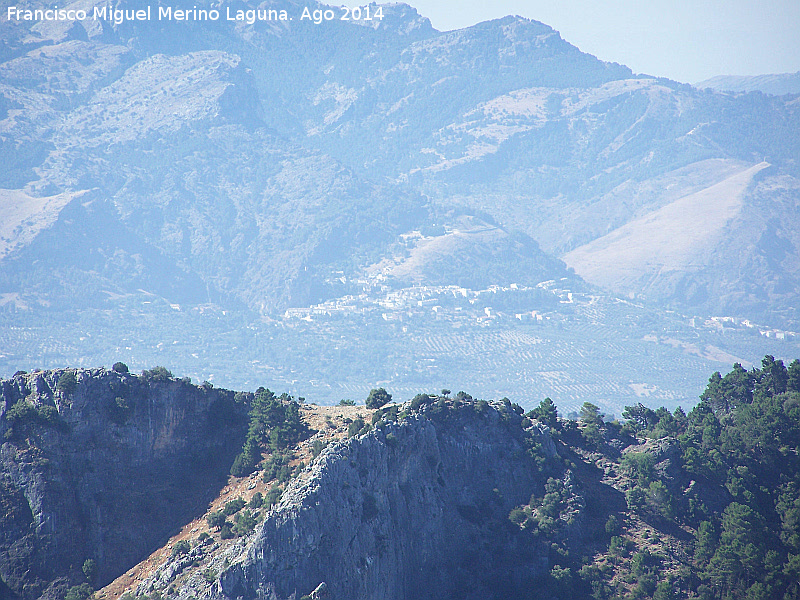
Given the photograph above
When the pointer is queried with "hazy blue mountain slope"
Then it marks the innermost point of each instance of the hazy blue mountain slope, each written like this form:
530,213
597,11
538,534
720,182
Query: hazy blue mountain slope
680,250
180,145
88,257
509,119
181,163
777,84
428,84
504,118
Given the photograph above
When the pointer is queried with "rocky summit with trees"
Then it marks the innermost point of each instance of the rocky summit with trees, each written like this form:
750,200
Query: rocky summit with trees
441,496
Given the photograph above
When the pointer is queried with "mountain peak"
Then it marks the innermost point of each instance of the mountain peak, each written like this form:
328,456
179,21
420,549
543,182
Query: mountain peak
402,19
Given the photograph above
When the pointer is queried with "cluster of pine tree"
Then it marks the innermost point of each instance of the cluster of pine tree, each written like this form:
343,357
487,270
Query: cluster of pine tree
275,424
740,453
721,483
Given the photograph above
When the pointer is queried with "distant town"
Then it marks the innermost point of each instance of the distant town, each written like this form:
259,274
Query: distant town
460,304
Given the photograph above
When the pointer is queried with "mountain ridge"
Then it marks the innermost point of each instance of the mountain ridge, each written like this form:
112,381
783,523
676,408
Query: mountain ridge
441,494
776,84
343,98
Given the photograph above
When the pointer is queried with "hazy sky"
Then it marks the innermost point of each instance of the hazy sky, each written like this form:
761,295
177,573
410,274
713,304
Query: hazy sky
687,40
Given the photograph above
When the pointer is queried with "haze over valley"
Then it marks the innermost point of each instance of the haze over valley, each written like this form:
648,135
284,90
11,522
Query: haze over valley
331,207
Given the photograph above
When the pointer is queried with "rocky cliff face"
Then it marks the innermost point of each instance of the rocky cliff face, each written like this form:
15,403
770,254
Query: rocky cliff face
416,508
103,465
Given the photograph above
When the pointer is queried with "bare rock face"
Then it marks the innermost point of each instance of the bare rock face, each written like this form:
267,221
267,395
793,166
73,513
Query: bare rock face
103,465
416,508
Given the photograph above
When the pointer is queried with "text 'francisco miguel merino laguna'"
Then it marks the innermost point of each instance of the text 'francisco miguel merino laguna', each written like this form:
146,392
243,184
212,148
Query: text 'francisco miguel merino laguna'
169,13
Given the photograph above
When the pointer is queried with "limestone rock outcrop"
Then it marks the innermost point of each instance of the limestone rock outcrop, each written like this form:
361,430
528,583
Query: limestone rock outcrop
103,465
416,508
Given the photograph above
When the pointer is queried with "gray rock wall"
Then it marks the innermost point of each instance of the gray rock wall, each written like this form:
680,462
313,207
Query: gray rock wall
103,479
416,510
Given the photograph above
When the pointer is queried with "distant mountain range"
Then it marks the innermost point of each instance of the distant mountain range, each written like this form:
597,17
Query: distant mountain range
778,84
266,166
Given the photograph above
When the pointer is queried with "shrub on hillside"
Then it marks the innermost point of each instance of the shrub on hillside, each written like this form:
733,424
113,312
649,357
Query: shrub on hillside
419,400
273,495
377,398
22,416
158,373
244,523
317,446
181,547
233,506
79,592
277,467
216,519
355,427
67,383
119,410
225,532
